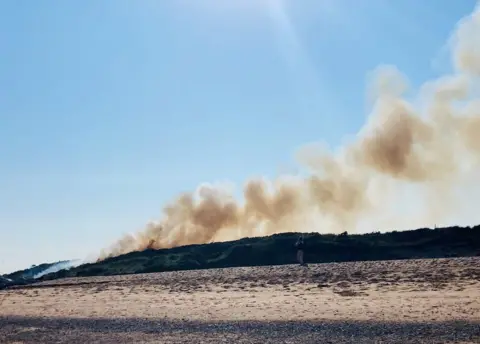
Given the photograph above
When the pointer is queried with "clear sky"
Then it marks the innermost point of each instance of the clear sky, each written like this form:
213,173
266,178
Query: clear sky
108,109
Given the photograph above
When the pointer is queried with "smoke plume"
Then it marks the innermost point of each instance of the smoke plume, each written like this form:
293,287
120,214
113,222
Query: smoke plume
405,167
59,266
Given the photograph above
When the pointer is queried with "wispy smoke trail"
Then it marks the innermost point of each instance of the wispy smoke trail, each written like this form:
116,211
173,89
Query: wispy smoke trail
430,150
59,266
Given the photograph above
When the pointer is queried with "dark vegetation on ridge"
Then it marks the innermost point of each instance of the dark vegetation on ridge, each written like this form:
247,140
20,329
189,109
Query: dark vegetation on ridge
25,276
279,249
32,271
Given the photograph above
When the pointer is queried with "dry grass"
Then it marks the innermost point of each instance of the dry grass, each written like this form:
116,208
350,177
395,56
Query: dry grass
415,301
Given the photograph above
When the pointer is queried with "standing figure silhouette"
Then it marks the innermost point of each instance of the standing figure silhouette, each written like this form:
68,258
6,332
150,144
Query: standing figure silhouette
300,245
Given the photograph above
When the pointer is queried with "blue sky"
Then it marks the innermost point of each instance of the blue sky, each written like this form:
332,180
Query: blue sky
109,109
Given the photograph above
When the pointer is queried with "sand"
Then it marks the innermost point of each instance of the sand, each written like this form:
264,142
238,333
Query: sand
411,301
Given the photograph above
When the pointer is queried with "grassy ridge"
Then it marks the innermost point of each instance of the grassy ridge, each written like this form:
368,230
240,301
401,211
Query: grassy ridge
279,249
32,271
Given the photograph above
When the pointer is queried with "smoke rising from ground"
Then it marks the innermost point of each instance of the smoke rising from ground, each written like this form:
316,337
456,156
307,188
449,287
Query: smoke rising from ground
59,266
406,155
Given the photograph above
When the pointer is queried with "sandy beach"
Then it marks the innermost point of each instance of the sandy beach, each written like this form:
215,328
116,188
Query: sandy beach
411,301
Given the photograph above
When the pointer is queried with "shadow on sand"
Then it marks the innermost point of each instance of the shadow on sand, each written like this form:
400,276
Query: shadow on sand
128,330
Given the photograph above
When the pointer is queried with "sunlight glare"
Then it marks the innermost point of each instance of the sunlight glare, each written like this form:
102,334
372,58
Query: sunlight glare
235,6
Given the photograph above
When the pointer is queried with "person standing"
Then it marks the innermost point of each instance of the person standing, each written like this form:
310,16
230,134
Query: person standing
300,245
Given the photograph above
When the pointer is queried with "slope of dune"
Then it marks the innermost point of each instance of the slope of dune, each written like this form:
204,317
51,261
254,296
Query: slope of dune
279,249
31,271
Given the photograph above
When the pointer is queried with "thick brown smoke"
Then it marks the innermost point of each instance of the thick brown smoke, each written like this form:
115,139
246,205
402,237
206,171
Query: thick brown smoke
404,146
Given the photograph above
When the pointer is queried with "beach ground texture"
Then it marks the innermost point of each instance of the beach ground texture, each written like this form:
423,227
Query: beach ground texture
408,301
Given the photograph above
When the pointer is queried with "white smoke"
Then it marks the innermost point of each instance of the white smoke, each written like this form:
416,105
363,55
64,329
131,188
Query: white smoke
59,266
